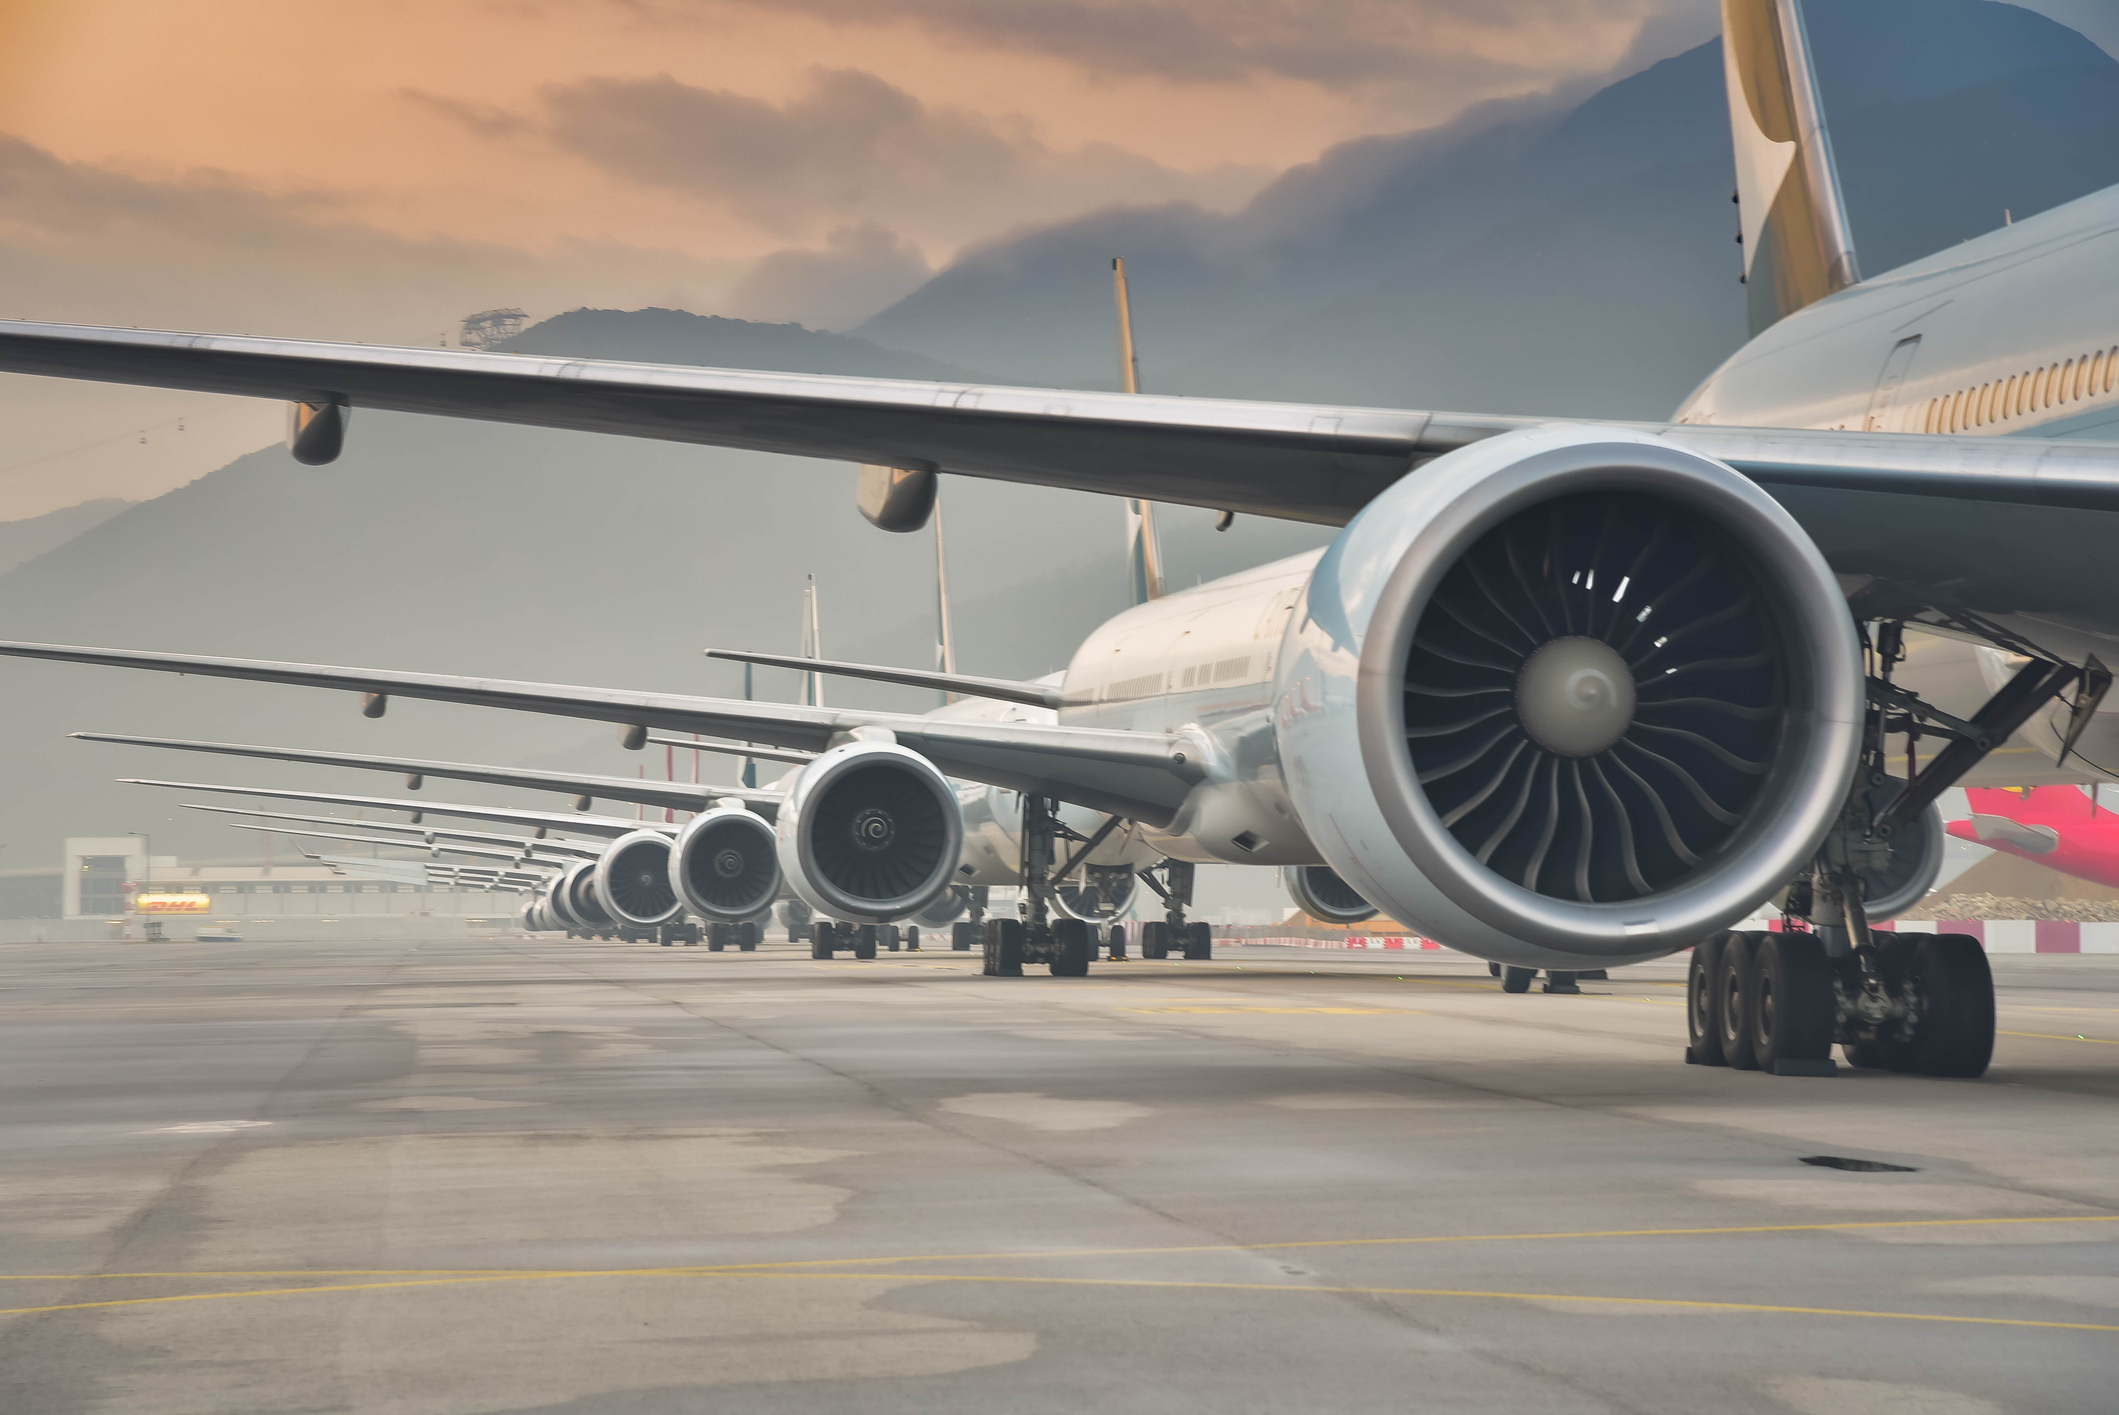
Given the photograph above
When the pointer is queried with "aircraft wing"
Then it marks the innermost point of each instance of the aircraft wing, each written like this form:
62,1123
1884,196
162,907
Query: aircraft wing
527,846
1296,461
674,795
1009,690
476,852
609,826
1142,776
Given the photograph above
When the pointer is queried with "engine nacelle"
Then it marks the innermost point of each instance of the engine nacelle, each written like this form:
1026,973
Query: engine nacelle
1322,894
1570,697
870,833
1916,858
1098,894
726,865
633,880
582,908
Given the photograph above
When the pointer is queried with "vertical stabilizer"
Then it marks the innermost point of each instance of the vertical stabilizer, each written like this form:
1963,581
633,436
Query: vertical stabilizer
1798,247
812,645
944,643
1144,556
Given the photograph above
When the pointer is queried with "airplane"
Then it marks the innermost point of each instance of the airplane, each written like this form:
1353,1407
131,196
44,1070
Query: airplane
1564,693
2061,827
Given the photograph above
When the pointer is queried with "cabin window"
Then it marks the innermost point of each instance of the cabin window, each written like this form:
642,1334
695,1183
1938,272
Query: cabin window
2111,367
2082,368
2008,397
1929,424
1190,674
1987,408
2060,384
1230,668
2038,391
2023,390
2096,373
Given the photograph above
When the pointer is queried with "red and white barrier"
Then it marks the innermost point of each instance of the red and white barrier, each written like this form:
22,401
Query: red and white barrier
1996,935
1365,941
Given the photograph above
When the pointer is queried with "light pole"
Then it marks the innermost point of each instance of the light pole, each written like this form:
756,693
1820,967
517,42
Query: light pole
147,868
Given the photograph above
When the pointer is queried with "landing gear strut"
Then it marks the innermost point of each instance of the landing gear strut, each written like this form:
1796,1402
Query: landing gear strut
1064,945
1192,940
1777,1002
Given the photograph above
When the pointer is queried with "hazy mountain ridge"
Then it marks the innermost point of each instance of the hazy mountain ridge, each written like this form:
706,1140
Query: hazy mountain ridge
25,540
666,336
1253,304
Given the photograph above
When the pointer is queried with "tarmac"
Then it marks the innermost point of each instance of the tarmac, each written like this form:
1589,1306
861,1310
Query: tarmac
538,1175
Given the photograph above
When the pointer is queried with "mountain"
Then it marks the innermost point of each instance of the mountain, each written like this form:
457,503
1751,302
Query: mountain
1547,256
465,547
709,341
25,540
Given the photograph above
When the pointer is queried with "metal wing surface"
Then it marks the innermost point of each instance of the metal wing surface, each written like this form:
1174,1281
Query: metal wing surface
1297,461
671,795
1142,776
610,827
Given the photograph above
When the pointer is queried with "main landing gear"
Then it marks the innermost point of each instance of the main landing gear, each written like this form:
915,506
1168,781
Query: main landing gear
1923,1003
1158,938
1777,1002
1064,945
1514,979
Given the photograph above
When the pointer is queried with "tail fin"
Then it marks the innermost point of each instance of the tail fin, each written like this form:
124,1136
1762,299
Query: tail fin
1798,247
1144,555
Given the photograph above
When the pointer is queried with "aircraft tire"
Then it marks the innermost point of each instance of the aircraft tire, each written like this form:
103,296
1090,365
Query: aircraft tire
1073,943
749,936
1792,1009
1736,987
1514,979
1199,940
864,940
1956,1037
1703,1004
822,937
1004,948
1155,940
1117,938
961,936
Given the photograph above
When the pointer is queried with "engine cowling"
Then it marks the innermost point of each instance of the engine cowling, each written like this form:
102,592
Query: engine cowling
1322,894
1916,858
870,833
577,887
633,880
1106,894
726,865
1570,696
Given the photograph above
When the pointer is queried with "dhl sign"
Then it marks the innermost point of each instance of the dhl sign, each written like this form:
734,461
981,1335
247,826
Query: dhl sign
173,903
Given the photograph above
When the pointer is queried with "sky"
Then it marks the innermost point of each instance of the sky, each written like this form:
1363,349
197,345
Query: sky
376,169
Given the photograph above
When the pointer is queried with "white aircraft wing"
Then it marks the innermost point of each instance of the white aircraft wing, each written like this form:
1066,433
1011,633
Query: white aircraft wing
610,827
674,795
476,852
524,845
1297,461
1142,776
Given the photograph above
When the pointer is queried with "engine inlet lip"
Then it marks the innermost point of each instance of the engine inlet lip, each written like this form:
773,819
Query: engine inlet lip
1796,801
620,855
755,835
810,788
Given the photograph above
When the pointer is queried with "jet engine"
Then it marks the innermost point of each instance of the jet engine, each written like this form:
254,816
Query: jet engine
633,880
726,867
1570,697
574,897
870,833
1106,894
1323,895
1916,858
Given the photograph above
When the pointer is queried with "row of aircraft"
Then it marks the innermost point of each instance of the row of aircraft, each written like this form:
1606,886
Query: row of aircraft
1564,694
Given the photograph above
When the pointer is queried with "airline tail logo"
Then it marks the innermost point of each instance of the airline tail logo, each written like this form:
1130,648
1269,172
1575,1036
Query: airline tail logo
1797,247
